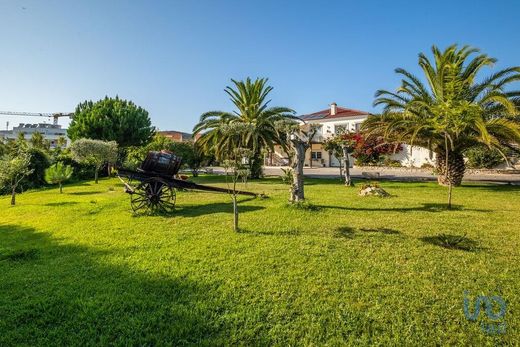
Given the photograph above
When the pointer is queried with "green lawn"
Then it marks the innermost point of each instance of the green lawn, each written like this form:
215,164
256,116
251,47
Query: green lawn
80,268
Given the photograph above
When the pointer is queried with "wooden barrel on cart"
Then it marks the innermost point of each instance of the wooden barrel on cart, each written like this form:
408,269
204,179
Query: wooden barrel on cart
163,162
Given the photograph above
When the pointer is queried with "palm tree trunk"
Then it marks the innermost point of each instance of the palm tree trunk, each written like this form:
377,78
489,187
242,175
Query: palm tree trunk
453,172
256,164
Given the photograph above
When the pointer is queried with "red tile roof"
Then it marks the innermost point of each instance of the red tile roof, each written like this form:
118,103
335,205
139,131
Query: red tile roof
341,112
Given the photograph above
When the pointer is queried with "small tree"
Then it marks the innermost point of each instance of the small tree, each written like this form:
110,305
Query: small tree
94,152
13,169
235,159
58,173
237,166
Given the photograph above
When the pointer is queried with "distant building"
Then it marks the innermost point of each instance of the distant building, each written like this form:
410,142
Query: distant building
50,132
176,136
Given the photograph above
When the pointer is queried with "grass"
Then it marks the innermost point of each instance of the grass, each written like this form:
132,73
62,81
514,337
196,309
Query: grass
80,268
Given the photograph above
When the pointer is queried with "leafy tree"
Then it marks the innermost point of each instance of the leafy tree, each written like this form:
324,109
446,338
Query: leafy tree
13,169
342,146
192,155
455,110
58,173
39,161
250,100
112,119
95,152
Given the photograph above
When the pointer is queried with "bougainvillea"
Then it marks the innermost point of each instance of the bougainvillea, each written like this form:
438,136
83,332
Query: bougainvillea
369,150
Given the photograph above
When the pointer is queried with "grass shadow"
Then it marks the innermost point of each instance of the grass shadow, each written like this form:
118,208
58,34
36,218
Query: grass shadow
83,193
217,207
427,207
62,203
455,242
344,232
62,294
293,232
385,231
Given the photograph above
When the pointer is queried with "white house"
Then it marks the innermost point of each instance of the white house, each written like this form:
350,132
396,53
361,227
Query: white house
336,119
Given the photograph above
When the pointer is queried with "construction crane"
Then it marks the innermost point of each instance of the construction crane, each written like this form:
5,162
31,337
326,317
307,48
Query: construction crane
54,116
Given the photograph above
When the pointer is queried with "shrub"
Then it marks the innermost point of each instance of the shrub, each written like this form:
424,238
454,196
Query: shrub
392,163
38,163
427,166
483,158
287,176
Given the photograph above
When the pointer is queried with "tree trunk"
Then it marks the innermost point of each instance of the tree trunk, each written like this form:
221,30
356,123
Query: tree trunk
13,196
235,213
455,168
450,188
297,190
96,176
348,181
61,188
256,165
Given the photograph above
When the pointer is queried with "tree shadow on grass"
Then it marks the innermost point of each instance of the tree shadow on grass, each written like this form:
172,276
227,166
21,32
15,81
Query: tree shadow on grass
345,232
385,231
216,207
291,232
83,193
58,294
61,203
349,232
427,207
456,242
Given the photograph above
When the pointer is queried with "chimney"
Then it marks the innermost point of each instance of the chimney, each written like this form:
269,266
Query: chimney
333,109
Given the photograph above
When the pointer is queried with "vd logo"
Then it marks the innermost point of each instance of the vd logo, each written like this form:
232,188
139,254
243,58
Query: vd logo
495,308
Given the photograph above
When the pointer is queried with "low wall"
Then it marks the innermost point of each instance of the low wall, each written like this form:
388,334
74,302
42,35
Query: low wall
382,169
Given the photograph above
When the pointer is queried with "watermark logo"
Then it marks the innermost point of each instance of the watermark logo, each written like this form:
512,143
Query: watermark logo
495,308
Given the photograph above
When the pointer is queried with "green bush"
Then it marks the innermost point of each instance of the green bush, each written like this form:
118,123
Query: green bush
81,171
483,158
39,162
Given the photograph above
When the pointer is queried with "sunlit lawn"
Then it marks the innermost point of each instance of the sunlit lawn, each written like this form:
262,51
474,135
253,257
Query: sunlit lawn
80,268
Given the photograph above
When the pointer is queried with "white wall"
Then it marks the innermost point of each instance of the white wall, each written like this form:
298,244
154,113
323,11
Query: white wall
414,156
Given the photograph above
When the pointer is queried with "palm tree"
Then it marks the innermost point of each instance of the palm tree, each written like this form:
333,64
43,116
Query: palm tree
455,110
252,111
58,173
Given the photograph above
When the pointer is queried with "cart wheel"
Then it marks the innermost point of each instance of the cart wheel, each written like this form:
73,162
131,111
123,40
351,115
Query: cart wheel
154,194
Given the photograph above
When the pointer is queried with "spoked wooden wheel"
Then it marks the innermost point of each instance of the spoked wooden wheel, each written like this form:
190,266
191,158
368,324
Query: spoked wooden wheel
155,195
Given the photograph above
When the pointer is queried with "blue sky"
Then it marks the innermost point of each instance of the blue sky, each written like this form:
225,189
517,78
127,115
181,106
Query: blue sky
174,58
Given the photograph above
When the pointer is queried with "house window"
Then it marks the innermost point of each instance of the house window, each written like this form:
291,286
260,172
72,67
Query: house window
340,129
316,155
357,127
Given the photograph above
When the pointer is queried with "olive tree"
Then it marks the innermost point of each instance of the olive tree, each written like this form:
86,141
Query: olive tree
13,169
95,152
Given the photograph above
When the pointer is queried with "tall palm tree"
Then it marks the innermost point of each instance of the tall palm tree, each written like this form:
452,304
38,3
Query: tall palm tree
258,123
455,109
